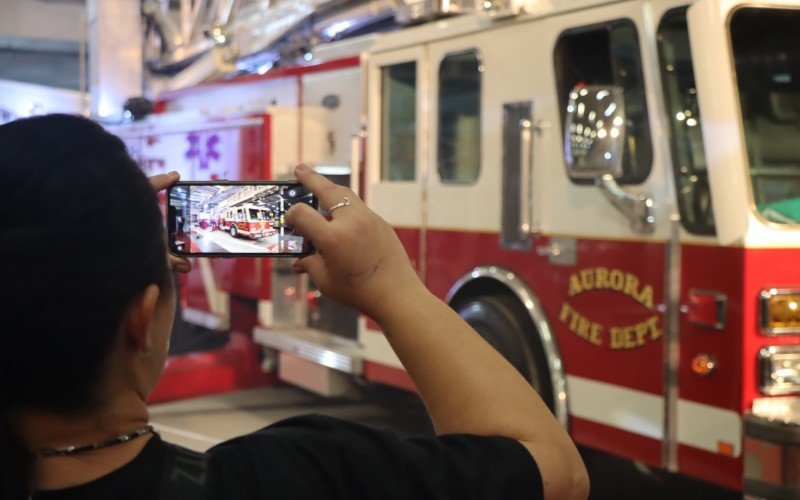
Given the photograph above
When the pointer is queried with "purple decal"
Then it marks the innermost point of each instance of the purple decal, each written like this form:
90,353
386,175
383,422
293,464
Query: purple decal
204,155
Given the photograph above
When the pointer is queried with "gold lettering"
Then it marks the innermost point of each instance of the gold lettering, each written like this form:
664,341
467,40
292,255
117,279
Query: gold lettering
646,297
641,330
631,286
587,279
565,310
594,334
580,325
617,341
583,327
628,337
616,279
652,324
573,321
601,278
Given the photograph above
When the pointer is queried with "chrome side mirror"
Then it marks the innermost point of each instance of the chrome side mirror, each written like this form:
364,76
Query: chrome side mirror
594,132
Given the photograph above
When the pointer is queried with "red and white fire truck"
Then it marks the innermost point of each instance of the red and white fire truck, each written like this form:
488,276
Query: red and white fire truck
249,221
609,192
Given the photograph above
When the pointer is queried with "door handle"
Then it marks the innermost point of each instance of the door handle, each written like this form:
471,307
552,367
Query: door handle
525,163
356,148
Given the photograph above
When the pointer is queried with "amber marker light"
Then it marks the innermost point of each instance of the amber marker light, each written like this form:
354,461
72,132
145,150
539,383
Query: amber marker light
704,365
780,311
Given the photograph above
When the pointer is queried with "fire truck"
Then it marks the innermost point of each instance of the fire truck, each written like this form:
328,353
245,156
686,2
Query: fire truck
246,221
609,192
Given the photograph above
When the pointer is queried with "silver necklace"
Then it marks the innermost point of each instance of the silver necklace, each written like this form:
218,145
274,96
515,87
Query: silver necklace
75,449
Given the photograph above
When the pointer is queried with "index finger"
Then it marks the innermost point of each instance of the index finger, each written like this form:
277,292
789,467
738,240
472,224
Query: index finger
328,193
163,181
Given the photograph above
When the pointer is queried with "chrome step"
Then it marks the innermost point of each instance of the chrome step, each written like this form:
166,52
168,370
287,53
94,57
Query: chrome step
317,346
205,319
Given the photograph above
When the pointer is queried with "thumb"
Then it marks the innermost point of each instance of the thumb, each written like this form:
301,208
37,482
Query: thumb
314,266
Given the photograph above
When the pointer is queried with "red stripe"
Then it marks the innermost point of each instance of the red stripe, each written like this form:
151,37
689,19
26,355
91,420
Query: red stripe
718,469
616,441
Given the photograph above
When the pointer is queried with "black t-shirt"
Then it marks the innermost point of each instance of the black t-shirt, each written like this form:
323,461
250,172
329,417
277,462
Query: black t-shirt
321,457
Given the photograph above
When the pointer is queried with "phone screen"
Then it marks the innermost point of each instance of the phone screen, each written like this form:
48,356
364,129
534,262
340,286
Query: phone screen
230,219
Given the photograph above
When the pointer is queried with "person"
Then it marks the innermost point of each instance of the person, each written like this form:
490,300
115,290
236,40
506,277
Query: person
85,332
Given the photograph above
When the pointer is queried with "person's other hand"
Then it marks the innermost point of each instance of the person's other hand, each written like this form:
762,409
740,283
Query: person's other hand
159,183
360,261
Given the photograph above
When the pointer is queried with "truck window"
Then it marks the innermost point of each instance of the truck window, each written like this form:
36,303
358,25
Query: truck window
683,117
768,77
399,121
608,54
459,134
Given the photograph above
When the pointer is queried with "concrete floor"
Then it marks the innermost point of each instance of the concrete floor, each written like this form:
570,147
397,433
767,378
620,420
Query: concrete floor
203,422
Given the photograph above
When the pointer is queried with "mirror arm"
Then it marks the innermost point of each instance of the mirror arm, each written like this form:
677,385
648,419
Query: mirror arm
638,208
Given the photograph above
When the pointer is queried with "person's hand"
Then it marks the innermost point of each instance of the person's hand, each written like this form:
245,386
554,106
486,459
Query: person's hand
159,183
360,261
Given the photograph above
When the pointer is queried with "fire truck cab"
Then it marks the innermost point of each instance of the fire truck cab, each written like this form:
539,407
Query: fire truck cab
613,208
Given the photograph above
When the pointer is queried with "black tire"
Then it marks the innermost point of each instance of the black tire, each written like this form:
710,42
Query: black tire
233,231
503,322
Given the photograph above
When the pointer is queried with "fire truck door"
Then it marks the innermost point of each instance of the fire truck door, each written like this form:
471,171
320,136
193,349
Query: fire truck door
396,163
607,300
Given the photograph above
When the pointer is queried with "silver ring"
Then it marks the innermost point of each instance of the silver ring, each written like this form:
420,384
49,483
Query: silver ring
341,204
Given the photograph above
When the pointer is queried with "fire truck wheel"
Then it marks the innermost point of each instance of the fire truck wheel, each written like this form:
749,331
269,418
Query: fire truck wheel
502,321
233,231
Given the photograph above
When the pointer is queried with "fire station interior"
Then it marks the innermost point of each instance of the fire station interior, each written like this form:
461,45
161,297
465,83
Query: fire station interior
607,193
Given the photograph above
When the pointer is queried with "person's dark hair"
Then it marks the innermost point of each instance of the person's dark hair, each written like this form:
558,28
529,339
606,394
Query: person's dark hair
80,236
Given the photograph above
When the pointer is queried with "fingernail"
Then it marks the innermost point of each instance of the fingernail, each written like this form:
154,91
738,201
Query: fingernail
174,173
301,168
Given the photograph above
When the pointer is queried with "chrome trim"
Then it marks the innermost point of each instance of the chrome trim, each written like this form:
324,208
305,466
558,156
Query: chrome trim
530,300
672,351
357,150
561,251
785,409
765,356
638,208
763,310
204,319
526,165
313,345
421,161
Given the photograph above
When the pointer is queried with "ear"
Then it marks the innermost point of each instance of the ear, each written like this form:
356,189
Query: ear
137,319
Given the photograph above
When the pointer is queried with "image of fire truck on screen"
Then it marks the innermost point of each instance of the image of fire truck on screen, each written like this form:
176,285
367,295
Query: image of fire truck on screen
248,221
238,219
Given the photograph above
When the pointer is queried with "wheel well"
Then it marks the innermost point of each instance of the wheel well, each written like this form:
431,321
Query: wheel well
482,287
478,288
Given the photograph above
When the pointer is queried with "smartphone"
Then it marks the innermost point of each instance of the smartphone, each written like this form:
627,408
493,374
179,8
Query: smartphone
235,219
